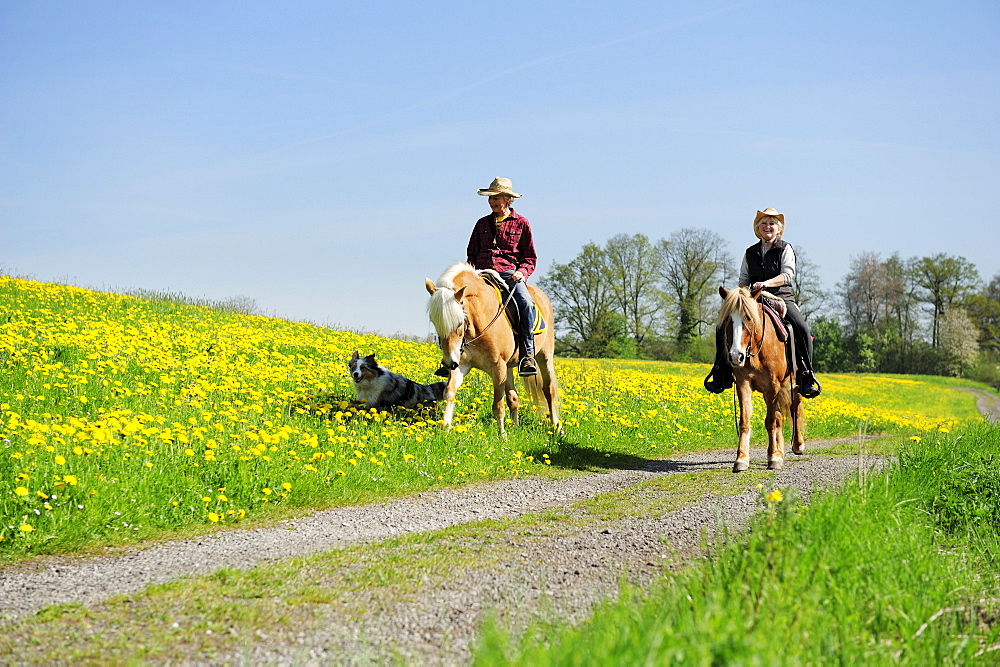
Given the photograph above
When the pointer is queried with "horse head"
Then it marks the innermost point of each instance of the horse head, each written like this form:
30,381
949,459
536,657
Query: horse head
447,314
740,318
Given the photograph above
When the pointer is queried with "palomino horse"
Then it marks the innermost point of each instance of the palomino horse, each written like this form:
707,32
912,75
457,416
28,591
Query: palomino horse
473,333
760,363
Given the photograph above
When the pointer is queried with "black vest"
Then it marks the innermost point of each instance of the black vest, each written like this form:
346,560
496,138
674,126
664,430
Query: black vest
760,270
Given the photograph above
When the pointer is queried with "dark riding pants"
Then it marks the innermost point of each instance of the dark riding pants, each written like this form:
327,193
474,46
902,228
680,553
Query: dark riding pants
803,337
525,310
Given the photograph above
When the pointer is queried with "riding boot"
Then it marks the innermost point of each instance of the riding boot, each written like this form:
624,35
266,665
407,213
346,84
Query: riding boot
527,366
809,386
722,371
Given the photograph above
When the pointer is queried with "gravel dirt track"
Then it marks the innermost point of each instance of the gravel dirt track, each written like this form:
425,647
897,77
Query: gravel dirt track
564,574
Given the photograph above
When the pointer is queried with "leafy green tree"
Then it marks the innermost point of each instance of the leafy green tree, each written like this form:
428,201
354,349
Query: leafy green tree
984,310
583,301
942,280
693,263
633,271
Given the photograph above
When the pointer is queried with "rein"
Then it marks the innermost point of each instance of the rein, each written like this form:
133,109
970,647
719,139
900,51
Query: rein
503,307
763,330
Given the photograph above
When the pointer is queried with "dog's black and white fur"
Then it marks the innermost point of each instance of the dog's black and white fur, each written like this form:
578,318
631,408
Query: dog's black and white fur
378,387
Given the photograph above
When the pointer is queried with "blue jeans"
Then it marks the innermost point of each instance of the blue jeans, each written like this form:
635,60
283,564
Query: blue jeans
525,310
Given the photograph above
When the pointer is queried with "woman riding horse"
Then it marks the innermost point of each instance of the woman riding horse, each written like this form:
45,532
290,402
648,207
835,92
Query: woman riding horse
770,264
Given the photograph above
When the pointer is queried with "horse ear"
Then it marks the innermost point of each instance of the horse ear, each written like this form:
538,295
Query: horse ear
431,288
459,294
723,292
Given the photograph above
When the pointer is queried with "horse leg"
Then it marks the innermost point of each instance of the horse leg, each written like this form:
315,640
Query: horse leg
550,389
499,373
798,437
513,403
745,394
450,389
775,433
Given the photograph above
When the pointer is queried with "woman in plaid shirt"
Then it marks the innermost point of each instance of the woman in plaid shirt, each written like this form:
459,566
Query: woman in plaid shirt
502,241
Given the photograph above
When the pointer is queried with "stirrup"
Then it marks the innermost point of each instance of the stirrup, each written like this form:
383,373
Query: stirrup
809,386
527,366
721,380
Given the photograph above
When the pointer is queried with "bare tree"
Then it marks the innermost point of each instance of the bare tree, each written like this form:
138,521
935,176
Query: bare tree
693,263
862,292
807,287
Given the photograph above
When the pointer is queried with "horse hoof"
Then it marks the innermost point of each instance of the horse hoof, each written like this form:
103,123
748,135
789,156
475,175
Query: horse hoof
777,464
741,466
798,450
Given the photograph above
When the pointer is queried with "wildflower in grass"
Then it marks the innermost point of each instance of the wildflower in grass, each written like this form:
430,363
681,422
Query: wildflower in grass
70,479
286,486
206,499
775,496
266,491
21,491
915,438
60,460
26,528
213,517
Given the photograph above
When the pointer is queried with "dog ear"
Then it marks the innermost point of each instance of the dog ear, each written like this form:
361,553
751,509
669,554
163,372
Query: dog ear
431,288
371,357
459,294
355,356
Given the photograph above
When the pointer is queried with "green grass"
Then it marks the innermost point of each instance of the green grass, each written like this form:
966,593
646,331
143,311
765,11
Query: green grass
126,419
899,570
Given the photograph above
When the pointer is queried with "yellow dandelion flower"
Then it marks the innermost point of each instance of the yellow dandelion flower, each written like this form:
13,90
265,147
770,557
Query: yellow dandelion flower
213,517
775,496
26,528
21,491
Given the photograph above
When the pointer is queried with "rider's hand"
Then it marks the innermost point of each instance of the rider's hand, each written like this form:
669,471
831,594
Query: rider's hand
756,286
517,276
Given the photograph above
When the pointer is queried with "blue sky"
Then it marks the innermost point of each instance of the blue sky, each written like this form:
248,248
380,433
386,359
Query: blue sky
322,158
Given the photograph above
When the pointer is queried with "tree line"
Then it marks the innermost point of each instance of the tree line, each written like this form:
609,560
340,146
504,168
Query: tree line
638,298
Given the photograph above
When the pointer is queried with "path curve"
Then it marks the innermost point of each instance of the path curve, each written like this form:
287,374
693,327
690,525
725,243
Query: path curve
59,580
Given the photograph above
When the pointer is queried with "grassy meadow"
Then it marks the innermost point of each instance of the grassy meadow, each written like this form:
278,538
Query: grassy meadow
914,580
125,419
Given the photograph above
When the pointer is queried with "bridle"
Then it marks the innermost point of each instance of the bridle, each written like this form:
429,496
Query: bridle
749,353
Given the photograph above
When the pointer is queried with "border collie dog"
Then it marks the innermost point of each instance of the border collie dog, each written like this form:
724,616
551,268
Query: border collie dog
380,388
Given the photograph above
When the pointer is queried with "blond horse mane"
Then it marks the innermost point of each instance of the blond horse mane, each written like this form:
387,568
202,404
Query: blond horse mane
739,300
444,311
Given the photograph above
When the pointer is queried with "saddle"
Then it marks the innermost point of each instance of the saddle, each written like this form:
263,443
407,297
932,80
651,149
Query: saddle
497,282
774,307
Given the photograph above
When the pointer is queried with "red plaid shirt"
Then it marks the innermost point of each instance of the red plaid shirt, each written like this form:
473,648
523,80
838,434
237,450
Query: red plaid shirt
507,248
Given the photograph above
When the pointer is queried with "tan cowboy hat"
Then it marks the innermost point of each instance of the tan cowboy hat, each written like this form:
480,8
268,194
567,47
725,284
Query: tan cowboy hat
769,213
499,186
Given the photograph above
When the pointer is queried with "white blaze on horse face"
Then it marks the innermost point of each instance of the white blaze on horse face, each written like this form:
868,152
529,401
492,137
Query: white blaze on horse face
736,353
451,348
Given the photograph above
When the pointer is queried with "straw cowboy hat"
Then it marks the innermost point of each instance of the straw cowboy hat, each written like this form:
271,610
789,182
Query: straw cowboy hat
769,213
499,186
